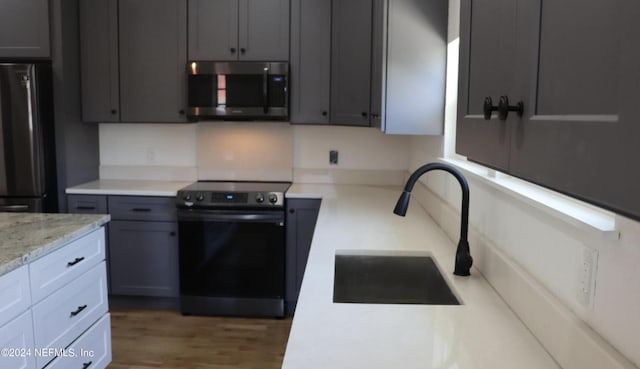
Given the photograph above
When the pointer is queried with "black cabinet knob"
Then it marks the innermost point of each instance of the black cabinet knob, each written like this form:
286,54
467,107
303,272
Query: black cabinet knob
243,50
114,111
324,113
364,114
292,211
488,108
181,112
233,50
172,234
504,108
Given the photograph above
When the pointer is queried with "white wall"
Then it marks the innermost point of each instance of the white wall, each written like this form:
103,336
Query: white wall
547,248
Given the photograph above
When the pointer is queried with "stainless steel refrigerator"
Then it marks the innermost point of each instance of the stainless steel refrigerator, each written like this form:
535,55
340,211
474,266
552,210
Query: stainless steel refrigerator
27,154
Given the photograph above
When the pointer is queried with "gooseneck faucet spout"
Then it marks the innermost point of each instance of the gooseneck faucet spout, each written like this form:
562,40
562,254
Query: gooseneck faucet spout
463,254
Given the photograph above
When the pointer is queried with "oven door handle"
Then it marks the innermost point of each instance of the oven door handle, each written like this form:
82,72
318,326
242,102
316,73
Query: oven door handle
226,217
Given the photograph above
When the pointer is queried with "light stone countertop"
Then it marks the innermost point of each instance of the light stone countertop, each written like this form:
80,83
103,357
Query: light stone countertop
128,187
483,333
25,237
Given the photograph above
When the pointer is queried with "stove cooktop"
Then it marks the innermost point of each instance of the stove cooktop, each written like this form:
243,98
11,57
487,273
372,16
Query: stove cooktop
221,194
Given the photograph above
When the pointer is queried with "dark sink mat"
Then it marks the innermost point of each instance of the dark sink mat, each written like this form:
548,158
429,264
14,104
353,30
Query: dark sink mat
378,279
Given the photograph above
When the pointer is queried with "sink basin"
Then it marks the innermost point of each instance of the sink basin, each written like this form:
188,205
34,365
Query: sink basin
384,279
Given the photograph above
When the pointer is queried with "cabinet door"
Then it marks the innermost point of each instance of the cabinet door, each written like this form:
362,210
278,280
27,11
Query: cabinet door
18,335
264,30
487,58
99,60
301,222
153,57
213,30
582,80
143,258
351,62
87,204
24,29
310,60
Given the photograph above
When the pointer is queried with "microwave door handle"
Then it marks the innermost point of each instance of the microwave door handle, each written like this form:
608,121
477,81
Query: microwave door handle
265,90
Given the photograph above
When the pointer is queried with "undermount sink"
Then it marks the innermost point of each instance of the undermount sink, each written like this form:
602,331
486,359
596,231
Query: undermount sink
390,279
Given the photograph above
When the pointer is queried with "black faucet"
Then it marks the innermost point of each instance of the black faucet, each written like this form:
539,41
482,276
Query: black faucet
463,255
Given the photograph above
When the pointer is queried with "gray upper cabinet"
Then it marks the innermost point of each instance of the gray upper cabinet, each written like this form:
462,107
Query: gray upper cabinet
310,65
24,29
153,58
409,66
253,30
486,70
99,60
351,62
578,83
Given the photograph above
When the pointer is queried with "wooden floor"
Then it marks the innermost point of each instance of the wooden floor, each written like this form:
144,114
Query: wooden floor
146,339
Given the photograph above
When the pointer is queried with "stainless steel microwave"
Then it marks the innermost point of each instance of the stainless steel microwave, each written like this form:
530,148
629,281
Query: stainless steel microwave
237,90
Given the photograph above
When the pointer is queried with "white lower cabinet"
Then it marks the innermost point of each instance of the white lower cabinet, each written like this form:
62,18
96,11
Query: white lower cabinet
91,351
63,316
14,294
16,342
54,311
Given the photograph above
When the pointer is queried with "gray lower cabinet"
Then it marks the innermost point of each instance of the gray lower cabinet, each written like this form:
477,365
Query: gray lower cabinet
144,258
24,29
577,83
133,60
252,30
302,215
142,252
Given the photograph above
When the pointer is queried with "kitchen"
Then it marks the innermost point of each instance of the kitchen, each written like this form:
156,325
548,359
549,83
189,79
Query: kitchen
528,243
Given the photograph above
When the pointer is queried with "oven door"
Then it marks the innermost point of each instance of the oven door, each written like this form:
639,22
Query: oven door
232,262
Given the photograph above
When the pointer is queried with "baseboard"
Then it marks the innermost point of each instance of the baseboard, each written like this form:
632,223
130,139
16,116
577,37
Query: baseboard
567,338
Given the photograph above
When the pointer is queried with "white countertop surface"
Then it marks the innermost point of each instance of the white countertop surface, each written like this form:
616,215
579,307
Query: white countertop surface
483,333
25,237
128,187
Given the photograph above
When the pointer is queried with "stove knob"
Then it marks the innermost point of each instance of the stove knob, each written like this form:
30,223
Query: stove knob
273,198
187,197
200,197
260,198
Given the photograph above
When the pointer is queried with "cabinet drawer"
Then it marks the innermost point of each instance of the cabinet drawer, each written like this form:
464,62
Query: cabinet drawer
87,204
60,318
92,350
17,335
14,294
66,264
162,209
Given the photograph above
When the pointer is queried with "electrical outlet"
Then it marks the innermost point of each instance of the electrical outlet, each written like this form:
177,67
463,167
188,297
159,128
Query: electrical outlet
586,277
151,155
333,157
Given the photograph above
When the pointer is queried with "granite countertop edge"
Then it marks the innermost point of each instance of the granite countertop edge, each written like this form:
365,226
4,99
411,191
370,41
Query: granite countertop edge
38,249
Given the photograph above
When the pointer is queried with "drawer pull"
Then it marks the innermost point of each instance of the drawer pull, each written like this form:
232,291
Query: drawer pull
86,207
86,365
78,311
75,261
145,210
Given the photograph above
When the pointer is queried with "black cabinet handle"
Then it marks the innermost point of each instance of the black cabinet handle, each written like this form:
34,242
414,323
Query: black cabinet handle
324,113
504,108
292,211
488,108
141,210
75,261
86,207
243,50
181,112
114,111
233,50
86,365
78,311
172,234
364,114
